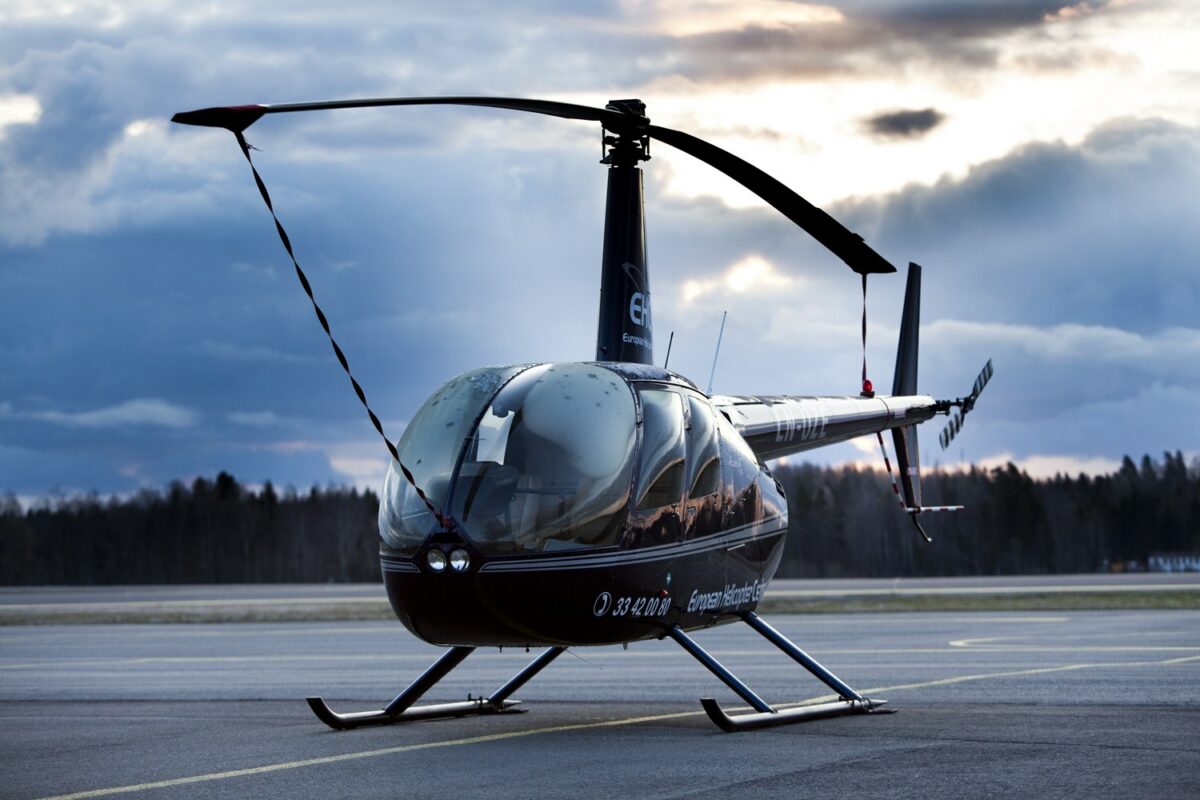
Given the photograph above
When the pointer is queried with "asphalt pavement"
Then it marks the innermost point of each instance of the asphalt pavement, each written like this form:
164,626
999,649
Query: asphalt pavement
1087,704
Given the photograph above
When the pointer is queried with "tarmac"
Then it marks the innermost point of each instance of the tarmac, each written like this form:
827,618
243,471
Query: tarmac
1082,704
362,601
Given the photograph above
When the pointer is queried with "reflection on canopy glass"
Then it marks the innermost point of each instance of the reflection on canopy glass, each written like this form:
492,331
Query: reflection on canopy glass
548,466
660,481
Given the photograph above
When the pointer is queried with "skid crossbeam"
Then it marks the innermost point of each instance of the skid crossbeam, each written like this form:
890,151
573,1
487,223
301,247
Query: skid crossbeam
401,708
764,716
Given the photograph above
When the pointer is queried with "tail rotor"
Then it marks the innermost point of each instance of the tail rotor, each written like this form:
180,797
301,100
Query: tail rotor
964,406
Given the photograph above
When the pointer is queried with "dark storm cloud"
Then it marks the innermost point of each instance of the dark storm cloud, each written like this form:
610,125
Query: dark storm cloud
95,70
874,38
960,18
1074,268
908,124
1092,231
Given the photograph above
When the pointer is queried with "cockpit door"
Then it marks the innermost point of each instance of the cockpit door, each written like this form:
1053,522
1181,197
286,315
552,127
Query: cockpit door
702,482
658,496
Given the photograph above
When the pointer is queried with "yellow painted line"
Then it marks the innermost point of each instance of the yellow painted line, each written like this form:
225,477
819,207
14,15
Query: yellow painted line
1183,660
993,675
408,748
496,737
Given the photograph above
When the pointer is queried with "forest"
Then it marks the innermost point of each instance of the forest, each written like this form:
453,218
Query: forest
844,522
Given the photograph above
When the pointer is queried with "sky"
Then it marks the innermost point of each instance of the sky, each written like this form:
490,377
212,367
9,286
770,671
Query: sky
1040,160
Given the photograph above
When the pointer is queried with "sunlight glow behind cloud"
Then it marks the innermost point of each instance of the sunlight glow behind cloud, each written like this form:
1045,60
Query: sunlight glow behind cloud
751,274
692,17
149,411
18,109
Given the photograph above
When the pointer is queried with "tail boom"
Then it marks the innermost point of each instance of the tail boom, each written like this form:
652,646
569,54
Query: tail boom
776,426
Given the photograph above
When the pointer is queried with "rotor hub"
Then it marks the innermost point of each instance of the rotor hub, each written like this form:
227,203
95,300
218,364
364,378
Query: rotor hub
627,143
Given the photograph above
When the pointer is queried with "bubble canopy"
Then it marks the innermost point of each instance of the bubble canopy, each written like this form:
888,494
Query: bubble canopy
526,460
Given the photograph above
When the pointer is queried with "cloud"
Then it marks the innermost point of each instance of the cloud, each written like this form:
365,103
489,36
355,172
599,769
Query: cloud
692,17
1037,466
247,354
903,124
1052,233
1175,351
263,419
1047,466
152,412
18,109
752,274
365,473
856,39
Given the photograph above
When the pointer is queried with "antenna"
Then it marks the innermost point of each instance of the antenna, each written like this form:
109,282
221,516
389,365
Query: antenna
670,342
720,336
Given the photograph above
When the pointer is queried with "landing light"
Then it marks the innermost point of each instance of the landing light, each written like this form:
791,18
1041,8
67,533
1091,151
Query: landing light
459,560
436,559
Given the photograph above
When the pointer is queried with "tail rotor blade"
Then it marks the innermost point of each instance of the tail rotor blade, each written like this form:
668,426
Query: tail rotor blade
965,405
951,430
985,375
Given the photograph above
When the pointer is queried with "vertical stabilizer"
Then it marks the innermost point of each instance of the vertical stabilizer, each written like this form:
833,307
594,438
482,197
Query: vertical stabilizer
908,455
905,382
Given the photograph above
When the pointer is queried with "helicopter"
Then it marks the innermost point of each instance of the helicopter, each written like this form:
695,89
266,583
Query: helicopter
564,505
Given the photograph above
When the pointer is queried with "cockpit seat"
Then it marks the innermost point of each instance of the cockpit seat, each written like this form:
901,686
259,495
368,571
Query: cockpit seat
485,488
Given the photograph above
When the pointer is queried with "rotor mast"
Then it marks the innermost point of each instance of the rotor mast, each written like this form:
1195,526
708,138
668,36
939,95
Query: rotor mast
624,332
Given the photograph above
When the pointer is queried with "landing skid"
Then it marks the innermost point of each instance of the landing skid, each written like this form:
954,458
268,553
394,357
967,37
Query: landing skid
764,715
401,708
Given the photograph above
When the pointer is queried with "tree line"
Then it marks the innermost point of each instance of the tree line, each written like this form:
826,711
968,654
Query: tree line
213,531
844,521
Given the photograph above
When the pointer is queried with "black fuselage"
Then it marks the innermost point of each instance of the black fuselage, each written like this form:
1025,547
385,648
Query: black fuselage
691,531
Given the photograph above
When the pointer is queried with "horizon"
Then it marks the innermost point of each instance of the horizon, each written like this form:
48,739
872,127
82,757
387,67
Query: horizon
51,500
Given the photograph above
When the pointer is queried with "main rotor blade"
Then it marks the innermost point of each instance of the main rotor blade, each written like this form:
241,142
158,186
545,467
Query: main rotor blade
238,118
840,241
843,243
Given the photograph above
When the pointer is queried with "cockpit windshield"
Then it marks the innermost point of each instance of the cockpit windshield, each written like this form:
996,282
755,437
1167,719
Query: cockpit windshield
548,467
429,447
544,464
